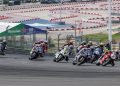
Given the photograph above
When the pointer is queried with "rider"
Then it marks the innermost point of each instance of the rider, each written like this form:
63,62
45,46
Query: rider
71,48
91,46
66,50
117,54
45,47
107,54
82,45
99,50
89,51
3,46
37,46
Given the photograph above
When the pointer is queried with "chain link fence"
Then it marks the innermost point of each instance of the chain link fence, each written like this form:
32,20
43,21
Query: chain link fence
23,44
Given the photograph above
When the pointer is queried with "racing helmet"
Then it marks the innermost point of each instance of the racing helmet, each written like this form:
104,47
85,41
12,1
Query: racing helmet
83,43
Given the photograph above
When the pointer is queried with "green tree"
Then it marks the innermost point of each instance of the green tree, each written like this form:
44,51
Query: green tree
50,42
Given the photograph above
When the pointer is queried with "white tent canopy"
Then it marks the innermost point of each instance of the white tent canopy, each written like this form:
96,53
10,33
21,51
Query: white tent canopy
4,26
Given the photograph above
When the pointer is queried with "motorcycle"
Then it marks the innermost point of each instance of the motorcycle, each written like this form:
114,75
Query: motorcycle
79,59
2,52
107,58
117,54
36,52
96,55
82,57
60,55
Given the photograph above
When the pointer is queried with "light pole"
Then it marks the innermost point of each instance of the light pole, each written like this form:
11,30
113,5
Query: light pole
109,24
74,27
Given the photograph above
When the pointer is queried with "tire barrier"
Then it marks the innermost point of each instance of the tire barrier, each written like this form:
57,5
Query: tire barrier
20,21
67,17
104,18
90,13
3,17
63,29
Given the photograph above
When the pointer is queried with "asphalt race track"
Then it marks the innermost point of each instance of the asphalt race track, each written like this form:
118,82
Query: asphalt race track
17,70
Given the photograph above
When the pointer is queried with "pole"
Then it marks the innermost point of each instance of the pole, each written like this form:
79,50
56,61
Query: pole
75,29
75,37
7,33
118,10
47,28
31,37
109,24
46,36
2,2
58,40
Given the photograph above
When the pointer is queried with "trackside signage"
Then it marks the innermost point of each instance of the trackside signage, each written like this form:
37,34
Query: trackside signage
14,31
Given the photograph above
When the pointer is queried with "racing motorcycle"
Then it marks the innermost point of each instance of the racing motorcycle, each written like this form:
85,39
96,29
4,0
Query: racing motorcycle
107,58
2,51
117,54
36,52
60,55
96,55
82,57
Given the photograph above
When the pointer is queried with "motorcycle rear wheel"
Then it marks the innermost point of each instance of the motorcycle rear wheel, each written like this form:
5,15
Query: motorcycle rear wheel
54,60
74,62
93,59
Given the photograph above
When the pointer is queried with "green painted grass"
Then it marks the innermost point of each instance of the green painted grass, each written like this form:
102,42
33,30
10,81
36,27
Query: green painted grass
116,36
103,37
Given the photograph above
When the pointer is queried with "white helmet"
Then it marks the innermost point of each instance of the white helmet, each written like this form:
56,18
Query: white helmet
4,40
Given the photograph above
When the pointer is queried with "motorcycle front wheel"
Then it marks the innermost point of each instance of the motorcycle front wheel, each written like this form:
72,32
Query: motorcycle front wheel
81,60
34,55
60,58
106,62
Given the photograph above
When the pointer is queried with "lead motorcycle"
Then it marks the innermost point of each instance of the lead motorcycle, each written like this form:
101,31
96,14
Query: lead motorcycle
36,52
107,58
